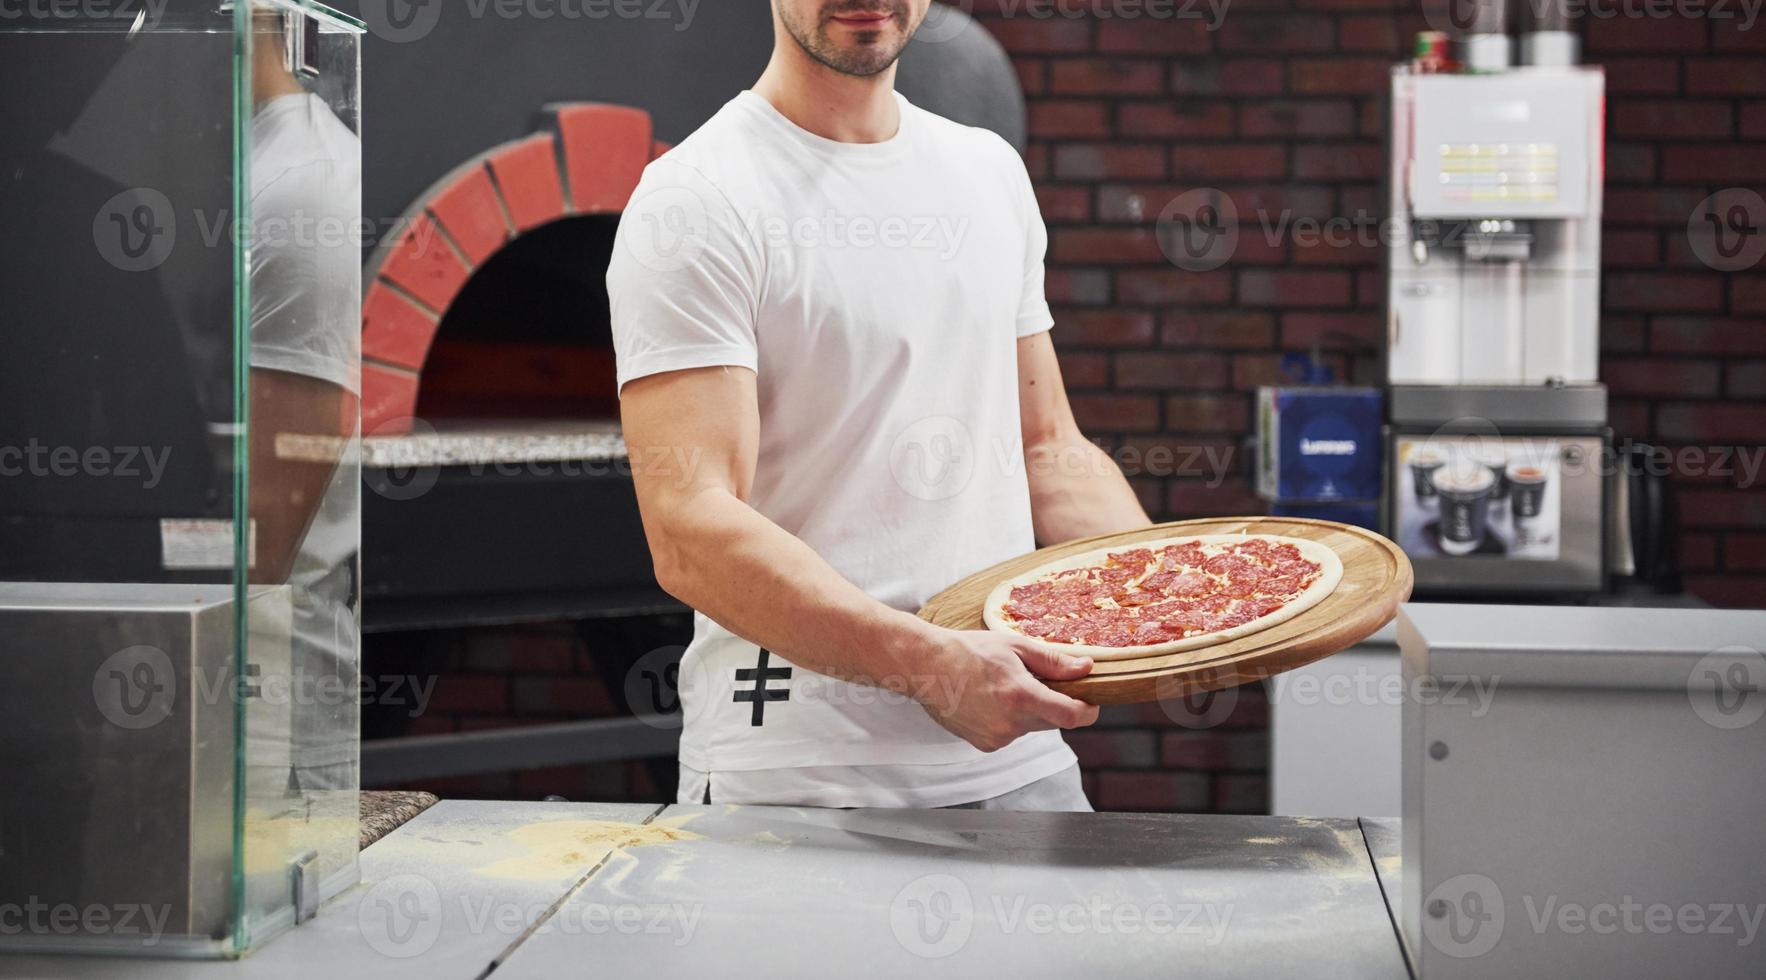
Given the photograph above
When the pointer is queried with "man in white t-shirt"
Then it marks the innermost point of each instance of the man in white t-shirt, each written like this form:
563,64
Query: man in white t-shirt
839,396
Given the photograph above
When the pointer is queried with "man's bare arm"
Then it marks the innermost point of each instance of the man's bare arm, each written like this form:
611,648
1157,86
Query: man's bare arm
285,494
693,437
1076,489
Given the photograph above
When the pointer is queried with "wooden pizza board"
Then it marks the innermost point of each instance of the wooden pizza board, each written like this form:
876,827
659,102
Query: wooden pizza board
1376,578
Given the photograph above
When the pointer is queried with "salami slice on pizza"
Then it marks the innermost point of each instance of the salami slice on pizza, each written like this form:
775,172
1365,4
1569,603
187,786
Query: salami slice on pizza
1165,596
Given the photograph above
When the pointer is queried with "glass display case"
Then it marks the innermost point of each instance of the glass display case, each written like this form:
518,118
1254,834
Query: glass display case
180,291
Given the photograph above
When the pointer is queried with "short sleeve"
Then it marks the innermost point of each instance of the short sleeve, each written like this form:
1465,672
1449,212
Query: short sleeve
683,284
1033,307
306,297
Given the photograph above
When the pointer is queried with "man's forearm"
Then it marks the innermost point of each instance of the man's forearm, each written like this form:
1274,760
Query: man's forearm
760,582
1077,490
286,492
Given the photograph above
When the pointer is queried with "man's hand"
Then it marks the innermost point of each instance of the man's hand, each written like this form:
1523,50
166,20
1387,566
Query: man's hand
993,696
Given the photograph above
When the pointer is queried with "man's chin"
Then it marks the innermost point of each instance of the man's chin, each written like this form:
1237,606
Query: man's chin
862,60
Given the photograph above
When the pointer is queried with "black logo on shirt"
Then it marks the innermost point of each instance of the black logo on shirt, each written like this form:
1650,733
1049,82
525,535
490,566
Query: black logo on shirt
760,694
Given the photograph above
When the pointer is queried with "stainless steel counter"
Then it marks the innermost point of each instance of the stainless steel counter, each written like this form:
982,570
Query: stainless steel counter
1334,724
564,889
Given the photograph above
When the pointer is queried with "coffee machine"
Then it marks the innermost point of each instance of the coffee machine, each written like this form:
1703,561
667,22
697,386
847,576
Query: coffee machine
1497,436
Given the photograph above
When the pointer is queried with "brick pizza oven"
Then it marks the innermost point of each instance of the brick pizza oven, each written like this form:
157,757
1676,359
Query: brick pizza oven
469,311
496,476
495,491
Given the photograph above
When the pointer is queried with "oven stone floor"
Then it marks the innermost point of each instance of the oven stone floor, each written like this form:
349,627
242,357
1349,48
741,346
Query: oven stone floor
502,441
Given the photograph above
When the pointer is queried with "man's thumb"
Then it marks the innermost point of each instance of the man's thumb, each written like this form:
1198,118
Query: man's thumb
1052,665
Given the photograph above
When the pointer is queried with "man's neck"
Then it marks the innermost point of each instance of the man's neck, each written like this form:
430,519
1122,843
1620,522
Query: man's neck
844,108
271,81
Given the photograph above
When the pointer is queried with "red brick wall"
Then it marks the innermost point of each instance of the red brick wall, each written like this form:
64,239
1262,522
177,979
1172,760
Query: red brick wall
1283,107
1206,755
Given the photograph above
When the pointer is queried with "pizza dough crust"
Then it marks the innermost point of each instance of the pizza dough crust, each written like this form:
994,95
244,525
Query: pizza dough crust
1331,573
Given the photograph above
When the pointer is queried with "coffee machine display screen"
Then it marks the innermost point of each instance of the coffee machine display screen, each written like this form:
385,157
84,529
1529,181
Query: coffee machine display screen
1473,497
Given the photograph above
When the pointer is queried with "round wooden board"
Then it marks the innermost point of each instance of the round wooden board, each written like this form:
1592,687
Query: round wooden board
1376,578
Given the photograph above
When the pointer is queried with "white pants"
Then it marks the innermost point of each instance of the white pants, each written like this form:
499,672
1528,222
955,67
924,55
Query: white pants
1061,792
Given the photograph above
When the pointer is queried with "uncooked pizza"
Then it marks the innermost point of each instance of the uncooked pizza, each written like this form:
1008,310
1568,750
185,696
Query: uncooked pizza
1165,596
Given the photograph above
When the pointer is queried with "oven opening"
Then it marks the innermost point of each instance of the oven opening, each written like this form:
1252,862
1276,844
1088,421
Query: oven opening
528,338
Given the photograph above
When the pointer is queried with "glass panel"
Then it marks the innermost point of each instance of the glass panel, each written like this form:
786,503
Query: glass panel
170,365
117,431
302,331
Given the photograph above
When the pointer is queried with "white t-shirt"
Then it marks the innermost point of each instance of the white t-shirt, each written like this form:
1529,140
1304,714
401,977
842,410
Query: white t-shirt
306,281
306,302
878,292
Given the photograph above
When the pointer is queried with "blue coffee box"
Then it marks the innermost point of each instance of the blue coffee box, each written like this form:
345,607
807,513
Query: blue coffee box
1318,444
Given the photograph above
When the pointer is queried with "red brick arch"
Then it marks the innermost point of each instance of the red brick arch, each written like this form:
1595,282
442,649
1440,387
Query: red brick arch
586,160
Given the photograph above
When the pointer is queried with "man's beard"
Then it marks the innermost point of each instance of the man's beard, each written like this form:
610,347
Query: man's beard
860,60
